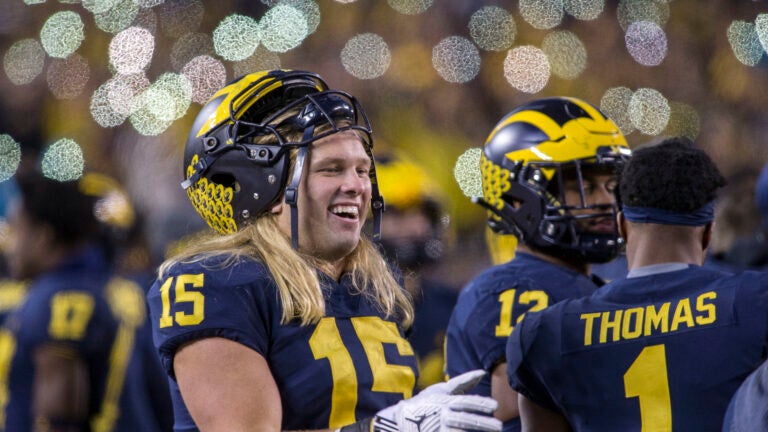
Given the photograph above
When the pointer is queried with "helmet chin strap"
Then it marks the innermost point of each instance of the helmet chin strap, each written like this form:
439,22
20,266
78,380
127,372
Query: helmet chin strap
292,191
377,201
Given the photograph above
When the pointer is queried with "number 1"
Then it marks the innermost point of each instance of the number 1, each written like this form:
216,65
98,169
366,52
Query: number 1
647,380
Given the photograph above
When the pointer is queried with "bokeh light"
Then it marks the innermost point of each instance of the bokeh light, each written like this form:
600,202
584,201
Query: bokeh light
189,46
63,160
366,56
178,89
130,51
24,61
144,120
745,43
646,43
566,53
236,37
584,10
99,6
309,9
101,110
10,157
629,11
262,59
761,27
206,75
67,78
467,172
122,90
456,59
615,105
492,28
117,18
113,101
683,121
649,111
408,7
526,68
164,101
178,17
282,28
542,14
148,3
62,34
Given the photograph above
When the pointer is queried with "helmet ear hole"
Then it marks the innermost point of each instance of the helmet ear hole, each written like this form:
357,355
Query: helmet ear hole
226,180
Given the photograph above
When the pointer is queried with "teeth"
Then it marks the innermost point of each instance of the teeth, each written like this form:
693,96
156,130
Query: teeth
344,209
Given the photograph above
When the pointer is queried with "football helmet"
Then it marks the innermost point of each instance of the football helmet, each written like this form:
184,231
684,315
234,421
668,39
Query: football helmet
409,188
524,163
238,154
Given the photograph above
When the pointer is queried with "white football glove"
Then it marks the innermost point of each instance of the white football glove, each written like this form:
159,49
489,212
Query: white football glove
442,407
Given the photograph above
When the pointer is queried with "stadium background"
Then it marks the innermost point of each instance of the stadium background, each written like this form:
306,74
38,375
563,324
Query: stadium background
434,77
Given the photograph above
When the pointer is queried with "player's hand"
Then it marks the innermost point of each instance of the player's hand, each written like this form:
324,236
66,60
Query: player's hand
442,407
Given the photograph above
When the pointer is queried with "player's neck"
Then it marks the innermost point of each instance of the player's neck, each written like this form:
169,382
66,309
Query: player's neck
643,248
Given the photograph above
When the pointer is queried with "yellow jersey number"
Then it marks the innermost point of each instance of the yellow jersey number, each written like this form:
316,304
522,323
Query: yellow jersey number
373,332
184,292
533,301
646,379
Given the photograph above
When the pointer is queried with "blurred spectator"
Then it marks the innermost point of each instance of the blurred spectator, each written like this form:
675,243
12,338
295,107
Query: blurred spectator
414,227
739,236
78,353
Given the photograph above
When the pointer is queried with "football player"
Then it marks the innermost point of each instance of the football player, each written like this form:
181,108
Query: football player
415,227
289,318
75,352
664,348
549,169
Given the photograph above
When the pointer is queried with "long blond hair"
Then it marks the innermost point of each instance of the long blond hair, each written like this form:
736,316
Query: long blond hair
295,273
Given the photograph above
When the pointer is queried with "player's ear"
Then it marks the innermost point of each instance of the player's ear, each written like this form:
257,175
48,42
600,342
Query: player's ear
706,236
621,224
277,208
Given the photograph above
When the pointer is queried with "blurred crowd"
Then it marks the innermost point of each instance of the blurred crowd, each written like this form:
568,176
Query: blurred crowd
421,125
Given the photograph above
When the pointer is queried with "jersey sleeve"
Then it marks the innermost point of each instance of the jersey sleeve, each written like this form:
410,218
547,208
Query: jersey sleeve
486,313
521,370
197,301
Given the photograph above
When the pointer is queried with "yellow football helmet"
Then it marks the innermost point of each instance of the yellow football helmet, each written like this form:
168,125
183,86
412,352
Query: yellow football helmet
409,189
524,162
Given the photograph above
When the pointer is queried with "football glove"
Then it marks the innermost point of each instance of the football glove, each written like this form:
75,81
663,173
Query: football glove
440,407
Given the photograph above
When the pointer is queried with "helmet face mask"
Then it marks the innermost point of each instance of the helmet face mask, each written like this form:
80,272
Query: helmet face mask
530,158
246,139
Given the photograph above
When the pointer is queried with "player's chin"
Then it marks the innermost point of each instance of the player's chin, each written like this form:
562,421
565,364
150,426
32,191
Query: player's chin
343,243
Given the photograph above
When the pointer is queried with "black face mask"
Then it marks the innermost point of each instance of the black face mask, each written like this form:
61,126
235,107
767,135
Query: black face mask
411,255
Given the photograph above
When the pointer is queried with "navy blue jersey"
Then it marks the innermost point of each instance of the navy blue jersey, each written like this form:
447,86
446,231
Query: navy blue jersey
83,309
432,309
239,301
493,303
653,353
